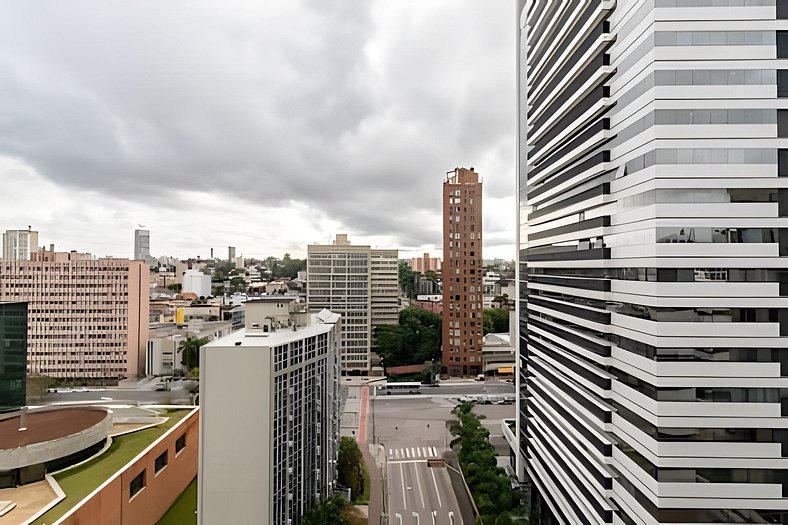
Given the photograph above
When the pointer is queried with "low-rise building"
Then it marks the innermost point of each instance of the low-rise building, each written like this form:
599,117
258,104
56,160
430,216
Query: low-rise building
163,355
197,283
269,415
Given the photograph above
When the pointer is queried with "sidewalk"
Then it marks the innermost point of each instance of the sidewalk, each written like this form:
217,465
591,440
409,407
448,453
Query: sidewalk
375,484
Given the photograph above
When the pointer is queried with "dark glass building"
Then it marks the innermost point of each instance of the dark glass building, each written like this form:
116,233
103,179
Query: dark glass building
13,355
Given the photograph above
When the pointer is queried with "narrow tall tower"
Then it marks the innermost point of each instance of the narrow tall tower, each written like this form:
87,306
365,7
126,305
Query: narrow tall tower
462,273
141,245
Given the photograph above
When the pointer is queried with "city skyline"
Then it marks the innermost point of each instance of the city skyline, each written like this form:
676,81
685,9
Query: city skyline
249,124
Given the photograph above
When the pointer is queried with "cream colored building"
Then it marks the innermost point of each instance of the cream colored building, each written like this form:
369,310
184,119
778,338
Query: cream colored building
384,281
359,282
88,317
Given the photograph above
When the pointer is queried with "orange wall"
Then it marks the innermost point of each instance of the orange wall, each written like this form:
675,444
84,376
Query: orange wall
111,505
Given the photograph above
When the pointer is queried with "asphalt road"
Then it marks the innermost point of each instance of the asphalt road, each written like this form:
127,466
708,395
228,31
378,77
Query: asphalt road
410,429
117,395
418,493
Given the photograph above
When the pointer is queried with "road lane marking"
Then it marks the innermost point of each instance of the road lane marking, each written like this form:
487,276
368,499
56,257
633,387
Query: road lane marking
435,484
422,460
421,492
402,475
434,452
407,452
389,452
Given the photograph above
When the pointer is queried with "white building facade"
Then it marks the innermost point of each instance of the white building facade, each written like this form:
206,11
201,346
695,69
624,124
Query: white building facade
18,244
196,282
653,301
269,416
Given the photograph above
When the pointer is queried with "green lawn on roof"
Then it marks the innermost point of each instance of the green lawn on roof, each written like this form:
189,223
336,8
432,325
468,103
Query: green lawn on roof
81,481
182,511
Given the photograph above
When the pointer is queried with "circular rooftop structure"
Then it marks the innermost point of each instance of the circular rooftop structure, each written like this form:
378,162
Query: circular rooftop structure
50,438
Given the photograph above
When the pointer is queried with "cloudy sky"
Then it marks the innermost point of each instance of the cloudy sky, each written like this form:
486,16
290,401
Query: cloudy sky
262,124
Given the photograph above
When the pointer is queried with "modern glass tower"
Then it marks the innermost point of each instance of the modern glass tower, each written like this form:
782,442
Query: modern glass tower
653,187
13,355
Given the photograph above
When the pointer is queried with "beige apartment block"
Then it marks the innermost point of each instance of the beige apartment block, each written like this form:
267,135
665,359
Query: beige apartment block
384,280
359,282
425,263
88,317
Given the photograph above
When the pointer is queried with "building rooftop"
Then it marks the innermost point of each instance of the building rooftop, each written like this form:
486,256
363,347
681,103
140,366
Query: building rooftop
321,323
80,481
47,425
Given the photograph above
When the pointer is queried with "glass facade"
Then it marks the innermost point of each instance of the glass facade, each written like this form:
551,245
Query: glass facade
13,355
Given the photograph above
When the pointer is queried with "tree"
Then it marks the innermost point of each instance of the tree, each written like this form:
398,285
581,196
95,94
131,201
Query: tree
489,484
415,340
407,280
328,512
190,351
349,466
496,320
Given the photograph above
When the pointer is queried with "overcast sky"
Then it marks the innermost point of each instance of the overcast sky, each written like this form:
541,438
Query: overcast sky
266,125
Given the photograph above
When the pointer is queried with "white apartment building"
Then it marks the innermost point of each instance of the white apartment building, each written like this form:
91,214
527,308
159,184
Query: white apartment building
653,155
269,415
18,244
197,283
362,284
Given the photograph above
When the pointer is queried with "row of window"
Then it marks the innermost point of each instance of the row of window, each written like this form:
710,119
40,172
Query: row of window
139,482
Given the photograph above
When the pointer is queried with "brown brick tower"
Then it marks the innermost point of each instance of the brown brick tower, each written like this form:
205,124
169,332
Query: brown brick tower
462,274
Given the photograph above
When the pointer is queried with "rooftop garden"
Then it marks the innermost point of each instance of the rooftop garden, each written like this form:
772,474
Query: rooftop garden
80,481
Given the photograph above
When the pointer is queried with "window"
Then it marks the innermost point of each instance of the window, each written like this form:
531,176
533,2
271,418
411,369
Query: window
137,484
180,444
161,462
782,44
782,122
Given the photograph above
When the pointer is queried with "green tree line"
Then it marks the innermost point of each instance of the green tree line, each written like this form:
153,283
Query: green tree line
489,484
415,340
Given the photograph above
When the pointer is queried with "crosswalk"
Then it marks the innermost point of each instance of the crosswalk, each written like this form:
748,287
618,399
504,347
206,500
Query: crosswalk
408,453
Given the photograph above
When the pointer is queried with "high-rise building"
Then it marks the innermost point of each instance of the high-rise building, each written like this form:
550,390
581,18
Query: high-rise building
361,284
653,242
13,355
269,415
384,286
142,245
18,244
231,253
87,317
463,315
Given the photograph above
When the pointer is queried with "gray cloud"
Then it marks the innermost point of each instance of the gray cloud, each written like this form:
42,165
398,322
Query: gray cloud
355,109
